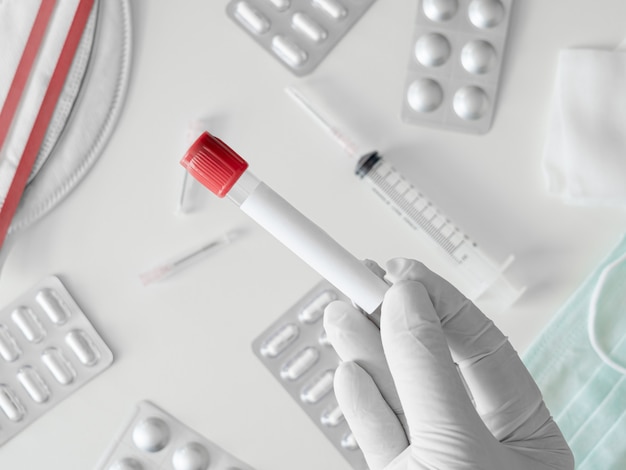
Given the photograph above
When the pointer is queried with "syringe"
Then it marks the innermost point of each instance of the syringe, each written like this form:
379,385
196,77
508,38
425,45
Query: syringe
478,275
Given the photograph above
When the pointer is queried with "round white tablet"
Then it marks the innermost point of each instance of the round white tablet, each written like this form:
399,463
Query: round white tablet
432,50
151,434
424,95
440,10
470,103
192,456
478,57
485,13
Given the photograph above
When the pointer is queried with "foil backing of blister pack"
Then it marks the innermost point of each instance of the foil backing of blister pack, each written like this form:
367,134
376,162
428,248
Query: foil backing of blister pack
296,351
48,349
154,439
456,57
299,33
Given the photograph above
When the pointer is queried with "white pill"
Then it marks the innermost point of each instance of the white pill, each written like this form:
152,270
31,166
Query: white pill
83,347
54,306
323,339
424,95
297,366
9,350
289,51
432,50
332,416
485,13
33,384
478,57
252,18
315,309
10,404
281,5
349,442
332,8
314,391
192,456
60,368
470,103
307,26
151,434
28,324
279,340
440,10
126,464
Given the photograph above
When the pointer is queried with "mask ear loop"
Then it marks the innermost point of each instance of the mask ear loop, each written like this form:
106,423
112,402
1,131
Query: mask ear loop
593,314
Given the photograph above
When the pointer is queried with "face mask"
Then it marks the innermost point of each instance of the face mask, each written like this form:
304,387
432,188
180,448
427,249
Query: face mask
578,362
94,113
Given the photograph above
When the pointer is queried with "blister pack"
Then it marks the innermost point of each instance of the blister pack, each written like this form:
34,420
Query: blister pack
153,439
48,349
299,33
456,56
296,351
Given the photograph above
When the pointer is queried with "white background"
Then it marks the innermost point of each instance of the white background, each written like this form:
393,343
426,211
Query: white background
186,343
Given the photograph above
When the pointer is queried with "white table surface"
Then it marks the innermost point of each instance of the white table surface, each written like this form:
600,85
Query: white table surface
186,343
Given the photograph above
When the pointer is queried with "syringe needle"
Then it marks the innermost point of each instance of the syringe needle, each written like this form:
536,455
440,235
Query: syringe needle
346,143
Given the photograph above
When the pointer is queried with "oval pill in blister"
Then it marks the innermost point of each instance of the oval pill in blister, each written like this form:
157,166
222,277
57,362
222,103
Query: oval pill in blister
126,464
478,57
151,435
332,8
485,13
323,339
315,310
82,346
424,95
289,51
252,18
349,442
295,367
192,456
28,324
10,404
53,305
281,5
307,26
60,368
9,350
332,416
279,340
470,103
33,384
314,391
440,10
432,49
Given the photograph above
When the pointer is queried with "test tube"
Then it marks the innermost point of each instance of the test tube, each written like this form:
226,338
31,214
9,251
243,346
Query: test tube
221,170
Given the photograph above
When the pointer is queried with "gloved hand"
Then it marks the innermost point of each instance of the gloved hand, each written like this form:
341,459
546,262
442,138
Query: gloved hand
438,386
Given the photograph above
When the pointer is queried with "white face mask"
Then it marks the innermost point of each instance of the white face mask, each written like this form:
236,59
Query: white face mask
578,363
92,119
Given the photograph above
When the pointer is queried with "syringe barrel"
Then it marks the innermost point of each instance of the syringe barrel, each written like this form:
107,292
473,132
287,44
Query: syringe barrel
476,272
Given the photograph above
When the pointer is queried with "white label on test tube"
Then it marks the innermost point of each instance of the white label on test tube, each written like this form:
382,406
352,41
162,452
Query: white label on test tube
315,247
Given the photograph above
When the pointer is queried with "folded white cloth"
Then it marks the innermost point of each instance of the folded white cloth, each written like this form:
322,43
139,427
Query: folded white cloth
584,157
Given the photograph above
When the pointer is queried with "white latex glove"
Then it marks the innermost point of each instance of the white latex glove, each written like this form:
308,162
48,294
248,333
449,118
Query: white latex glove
401,392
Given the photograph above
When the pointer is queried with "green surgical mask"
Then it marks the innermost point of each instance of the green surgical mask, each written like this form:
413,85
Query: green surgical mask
578,363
